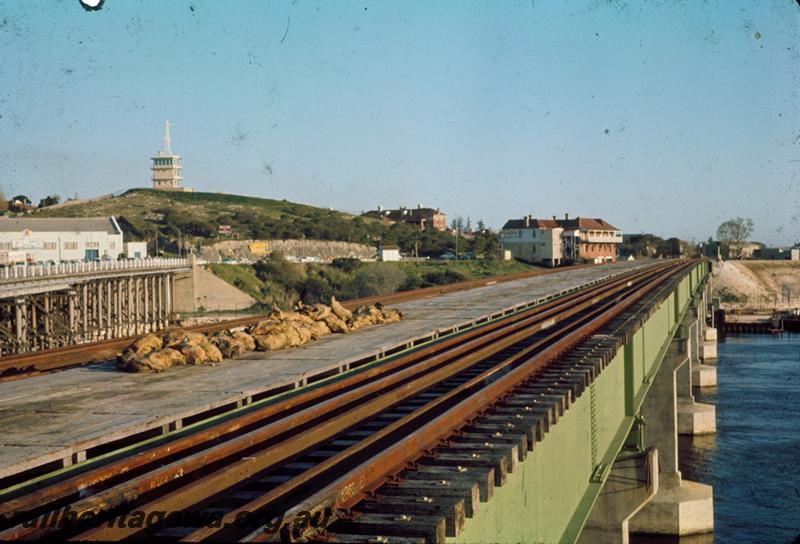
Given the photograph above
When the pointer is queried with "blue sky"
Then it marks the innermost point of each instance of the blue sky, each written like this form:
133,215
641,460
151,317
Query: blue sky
660,116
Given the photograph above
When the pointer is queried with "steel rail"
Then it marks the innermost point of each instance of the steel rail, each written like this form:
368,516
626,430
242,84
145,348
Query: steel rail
485,334
204,459
30,364
349,489
217,482
381,435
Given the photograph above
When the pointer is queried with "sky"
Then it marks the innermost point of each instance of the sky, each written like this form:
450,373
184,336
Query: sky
660,116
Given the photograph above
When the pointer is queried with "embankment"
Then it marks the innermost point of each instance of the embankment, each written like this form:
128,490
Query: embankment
757,285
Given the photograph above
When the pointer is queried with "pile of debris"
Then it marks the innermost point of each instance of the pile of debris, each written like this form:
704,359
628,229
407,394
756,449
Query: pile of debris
155,353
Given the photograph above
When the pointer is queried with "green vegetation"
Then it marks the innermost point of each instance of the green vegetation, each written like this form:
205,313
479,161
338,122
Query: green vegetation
282,283
652,246
727,295
194,219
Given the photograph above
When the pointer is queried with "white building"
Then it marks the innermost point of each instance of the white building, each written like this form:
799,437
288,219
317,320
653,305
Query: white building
136,250
62,239
534,240
389,253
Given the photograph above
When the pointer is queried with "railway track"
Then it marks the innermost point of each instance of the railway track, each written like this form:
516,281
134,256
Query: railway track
407,449
26,365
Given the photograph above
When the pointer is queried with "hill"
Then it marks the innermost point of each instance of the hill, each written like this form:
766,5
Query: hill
195,218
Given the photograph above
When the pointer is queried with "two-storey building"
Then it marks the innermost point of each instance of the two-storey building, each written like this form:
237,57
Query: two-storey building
533,240
553,241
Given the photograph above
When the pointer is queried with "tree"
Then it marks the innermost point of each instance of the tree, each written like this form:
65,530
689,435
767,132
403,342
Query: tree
19,203
735,232
481,225
49,200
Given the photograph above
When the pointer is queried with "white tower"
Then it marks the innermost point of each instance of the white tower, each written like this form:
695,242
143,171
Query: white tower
167,166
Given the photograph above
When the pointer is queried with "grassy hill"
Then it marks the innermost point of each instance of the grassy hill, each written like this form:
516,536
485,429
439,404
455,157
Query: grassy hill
196,217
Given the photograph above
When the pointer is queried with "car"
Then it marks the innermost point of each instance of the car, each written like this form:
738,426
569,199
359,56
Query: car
447,256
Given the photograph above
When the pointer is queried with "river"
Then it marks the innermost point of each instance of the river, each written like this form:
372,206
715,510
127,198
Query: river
753,461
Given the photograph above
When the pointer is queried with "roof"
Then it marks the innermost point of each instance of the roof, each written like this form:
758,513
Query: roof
59,224
583,223
532,224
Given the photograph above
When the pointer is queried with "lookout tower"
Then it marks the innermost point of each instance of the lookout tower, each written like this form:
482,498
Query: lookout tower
167,167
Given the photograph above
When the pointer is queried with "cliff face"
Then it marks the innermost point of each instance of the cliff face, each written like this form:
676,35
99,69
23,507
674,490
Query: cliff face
757,285
324,250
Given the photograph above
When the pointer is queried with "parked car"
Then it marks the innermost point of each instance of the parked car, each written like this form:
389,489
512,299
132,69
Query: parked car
447,256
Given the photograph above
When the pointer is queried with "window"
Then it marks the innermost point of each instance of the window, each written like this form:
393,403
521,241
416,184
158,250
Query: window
5,245
70,245
93,245
50,245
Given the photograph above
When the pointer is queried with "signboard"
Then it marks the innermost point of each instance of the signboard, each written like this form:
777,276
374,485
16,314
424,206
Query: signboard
257,248
27,244
224,229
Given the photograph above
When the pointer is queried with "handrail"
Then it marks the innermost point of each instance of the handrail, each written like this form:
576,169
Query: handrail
69,269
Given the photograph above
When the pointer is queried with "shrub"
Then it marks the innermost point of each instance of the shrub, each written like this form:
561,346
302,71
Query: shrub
346,264
376,280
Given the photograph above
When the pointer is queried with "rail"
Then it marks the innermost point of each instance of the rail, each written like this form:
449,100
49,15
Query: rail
331,446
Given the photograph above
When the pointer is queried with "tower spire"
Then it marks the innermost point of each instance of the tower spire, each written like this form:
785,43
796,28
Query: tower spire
167,142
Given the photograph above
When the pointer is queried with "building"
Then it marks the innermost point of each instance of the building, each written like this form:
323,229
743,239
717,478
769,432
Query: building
167,167
587,239
62,239
136,250
422,217
533,240
777,254
553,241
389,253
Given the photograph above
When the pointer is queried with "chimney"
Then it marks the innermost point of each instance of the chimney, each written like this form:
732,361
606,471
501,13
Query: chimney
528,220
419,206
380,208
566,217
554,218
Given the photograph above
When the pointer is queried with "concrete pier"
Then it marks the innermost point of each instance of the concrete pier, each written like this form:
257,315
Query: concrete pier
695,418
632,483
679,507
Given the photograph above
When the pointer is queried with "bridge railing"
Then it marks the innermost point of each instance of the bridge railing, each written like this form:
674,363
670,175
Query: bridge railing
31,271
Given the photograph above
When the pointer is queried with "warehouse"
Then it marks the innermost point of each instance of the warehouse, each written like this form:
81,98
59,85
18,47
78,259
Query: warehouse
61,239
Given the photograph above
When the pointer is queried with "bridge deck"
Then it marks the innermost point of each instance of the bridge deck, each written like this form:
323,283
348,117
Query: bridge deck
58,417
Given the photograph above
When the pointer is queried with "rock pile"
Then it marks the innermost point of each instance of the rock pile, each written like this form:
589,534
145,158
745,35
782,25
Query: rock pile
154,353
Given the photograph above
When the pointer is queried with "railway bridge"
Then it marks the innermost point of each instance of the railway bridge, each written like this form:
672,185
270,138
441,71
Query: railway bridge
544,409
47,306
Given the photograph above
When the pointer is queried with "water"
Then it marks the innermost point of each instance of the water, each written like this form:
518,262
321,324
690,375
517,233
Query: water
753,461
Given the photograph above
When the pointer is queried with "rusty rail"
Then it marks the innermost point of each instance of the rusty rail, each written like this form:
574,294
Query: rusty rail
326,412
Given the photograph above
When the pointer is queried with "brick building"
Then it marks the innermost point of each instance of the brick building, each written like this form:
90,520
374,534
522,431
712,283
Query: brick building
422,217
